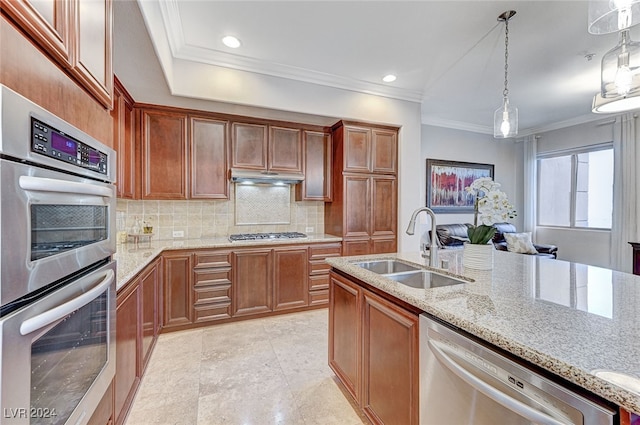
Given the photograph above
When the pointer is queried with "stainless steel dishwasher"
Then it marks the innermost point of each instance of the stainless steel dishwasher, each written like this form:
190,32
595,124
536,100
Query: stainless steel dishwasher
464,382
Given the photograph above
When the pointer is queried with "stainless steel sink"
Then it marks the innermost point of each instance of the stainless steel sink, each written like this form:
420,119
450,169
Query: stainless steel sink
386,266
424,279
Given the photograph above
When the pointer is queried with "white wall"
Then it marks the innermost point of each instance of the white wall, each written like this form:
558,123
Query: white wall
458,145
579,245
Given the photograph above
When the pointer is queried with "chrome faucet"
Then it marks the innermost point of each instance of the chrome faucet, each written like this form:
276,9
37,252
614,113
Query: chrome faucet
433,248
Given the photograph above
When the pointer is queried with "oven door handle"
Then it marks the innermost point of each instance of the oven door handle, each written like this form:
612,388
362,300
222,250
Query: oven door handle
43,184
57,313
487,389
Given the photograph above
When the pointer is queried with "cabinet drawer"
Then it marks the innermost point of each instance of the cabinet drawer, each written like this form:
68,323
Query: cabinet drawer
211,259
318,267
319,297
215,311
214,293
317,252
319,282
212,277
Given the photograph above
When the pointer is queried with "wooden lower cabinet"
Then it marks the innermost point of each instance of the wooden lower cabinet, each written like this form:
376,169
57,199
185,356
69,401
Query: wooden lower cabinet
319,271
345,333
104,411
290,273
128,351
390,376
373,349
252,282
138,315
178,302
211,286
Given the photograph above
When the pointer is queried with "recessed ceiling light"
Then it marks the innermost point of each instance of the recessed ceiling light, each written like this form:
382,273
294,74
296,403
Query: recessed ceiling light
231,41
389,78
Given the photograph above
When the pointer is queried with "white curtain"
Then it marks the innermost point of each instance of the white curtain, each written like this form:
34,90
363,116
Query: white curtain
530,184
626,193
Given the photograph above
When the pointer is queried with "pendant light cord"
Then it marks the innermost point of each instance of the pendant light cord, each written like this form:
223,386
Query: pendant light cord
505,92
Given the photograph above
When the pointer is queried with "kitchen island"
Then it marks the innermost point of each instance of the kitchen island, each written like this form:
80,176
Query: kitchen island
569,319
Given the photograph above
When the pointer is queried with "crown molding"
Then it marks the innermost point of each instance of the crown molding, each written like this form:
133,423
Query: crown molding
181,50
456,125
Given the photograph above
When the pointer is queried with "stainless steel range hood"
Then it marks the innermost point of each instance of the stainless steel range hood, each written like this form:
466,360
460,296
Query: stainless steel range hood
264,177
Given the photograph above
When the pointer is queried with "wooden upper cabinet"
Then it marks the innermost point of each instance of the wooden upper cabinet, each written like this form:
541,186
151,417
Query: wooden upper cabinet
77,34
368,149
249,146
357,149
266,148
123,116
93,59
285,150
317,160
208,150
164,155
384,151
47,22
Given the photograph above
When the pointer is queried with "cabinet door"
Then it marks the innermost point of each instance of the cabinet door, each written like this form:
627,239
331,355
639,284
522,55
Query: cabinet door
356,247
317,161
357,205
384,151
345,349
164,155
390,362
383,245
150,311
357,149
93,59
127,350
285,150
47,22
384,195
252,286
123,116
208,159
178,302
290,278
249,146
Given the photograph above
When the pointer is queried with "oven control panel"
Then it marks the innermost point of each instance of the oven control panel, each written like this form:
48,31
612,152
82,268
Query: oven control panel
53,143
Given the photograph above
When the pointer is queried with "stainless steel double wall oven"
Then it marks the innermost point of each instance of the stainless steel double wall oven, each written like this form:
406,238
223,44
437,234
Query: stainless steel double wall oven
57,284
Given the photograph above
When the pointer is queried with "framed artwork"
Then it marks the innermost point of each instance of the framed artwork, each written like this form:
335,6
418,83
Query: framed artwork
446,181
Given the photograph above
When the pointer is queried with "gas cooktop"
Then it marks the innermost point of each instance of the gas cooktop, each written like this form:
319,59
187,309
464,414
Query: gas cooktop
266,236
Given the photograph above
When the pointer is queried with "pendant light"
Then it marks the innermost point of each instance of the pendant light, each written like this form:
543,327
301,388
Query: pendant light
505,119
620,66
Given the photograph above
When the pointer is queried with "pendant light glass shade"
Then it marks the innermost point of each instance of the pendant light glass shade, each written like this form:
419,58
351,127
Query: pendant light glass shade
621,69
618,104
607,16
505,121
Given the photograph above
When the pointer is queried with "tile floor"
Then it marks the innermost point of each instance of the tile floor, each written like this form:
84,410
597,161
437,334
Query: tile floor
261,371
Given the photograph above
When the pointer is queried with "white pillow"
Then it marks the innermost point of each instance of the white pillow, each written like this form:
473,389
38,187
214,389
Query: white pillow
520,243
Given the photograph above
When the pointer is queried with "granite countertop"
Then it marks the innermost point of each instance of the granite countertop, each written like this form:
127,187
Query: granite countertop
133,257
579,322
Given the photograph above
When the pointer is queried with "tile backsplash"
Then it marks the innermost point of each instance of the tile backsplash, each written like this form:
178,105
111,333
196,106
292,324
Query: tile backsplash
211,218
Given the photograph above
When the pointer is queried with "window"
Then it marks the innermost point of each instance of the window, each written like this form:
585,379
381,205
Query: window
575,188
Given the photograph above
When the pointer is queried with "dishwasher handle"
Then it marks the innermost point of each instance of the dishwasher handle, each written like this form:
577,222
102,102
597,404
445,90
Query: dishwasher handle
504,399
